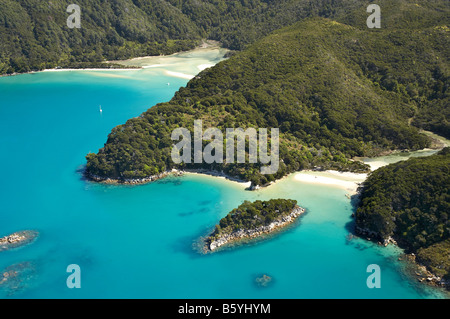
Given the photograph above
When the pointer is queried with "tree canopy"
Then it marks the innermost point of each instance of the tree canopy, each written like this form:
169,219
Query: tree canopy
410,201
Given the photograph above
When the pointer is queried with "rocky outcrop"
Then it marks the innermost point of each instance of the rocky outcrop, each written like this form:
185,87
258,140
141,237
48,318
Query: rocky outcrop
213,244
125,181
366,233
422,274
153,178
17,239
370,234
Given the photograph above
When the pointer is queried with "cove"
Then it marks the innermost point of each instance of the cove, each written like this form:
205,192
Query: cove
139,241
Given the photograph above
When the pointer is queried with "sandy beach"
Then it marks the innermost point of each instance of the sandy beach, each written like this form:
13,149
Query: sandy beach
179,75
344,180
88,69
185,65
213,176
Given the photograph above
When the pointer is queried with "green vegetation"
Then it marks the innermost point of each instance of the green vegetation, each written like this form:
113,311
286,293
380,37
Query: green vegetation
34,33
334,91
410,201
436,258
251,215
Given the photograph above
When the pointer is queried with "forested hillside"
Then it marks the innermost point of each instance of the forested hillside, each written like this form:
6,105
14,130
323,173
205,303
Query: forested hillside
335,92
34,34
410,201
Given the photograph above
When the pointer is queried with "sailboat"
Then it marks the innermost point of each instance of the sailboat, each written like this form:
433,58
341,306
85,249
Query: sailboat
101,109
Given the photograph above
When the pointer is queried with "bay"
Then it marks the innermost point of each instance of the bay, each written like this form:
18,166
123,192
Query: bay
139,241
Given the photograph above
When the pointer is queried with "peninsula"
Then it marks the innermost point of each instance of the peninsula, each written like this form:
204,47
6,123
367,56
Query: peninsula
354,104
408,203
253,220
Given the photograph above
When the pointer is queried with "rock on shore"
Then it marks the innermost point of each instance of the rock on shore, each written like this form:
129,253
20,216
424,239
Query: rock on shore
125,181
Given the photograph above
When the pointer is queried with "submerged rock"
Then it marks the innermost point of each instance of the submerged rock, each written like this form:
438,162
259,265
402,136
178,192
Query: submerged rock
263,281
16,277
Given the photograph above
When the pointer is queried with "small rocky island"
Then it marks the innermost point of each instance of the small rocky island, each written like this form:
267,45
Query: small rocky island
17,239
253,220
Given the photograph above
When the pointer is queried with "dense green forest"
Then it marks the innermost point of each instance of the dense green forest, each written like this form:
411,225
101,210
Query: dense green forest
333,90
251,215
410,201
34,34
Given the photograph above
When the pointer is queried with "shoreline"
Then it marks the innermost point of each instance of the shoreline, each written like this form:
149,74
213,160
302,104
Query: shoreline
226,240
173,172
109,69
412,267
215,174
90,69
205,45
418,272
348,181
109,65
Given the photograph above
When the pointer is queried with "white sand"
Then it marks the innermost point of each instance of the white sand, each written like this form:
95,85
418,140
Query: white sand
202,67
154,66
348,181
183,65
374,165
103,70
213,176
179,74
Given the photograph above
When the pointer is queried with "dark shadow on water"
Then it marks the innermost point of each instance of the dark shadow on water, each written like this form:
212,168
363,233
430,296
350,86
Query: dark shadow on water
186,214
81,172
205,202
350,226
352,237
194,212
174,180
192,245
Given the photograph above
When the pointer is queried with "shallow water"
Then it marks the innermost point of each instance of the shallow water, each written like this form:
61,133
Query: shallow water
137,241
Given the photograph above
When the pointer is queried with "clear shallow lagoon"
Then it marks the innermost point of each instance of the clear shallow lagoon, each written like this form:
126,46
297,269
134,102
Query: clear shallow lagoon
136,242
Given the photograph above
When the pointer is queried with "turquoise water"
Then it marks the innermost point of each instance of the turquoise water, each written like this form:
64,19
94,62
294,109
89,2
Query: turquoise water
137,242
